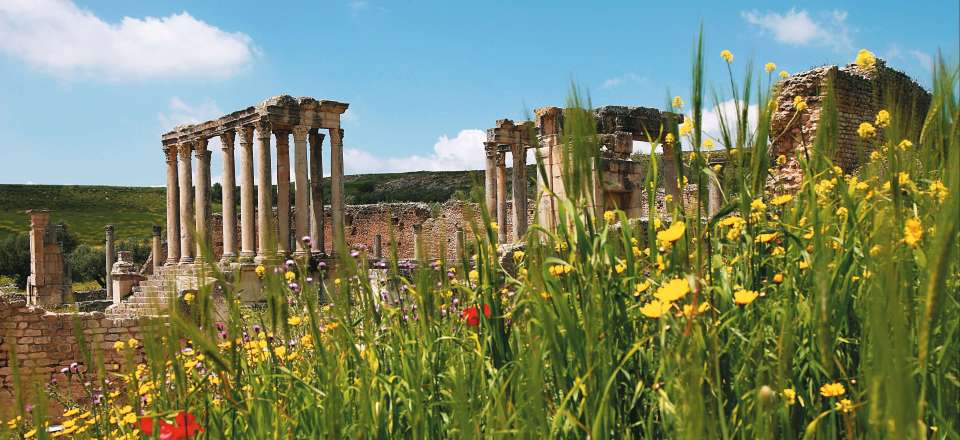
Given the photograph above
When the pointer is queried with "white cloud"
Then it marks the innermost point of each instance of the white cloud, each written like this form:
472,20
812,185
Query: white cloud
925,59
798,28
463,152
621,80
180,112
59,37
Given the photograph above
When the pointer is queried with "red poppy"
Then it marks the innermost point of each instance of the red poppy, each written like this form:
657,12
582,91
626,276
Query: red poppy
185,426
472,316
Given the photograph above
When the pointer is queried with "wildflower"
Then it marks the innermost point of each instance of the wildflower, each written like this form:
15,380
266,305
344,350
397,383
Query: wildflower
781,199
883,119
280,351
842,212
708,143
778,278
757,206
790,395
31,433
132,343
844,406
668,198
799,103
609,216
671,234
289,276
188,297
866,130
784,74
938,191
904,145
119,345
620,267
726,55
641,287
294,320
865,59
832,390
473,276
677,102
655,308
472,315
260,271
560,269
494,226
769,67
781,160
185,426
669,139
518,255
688,309
912,232
686,127
743,297
672,290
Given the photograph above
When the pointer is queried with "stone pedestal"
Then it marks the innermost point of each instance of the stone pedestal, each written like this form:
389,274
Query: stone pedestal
124,276
47,284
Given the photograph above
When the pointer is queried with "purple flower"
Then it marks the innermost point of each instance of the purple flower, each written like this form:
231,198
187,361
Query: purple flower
220,326
290,264
306,240
309,279
354,253
256,328
28,408
294,287
322,265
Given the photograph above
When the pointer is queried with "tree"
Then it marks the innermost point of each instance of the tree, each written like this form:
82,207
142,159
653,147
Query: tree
88,264
15,258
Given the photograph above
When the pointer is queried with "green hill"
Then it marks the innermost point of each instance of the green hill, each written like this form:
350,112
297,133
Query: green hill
134,210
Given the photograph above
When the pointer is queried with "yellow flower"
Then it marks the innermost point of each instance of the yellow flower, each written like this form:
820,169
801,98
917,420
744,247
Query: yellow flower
777,278
280,351
620,267
188,297
803,263
769,67
668,198
518,255
784,74
904,145
708,143
294,320
669,139
130,418
866,130
766,238
912,232
799,103
744,297
781,160
655,309
494,226
474,276
688,309
790,396
883,119
289,276
132,343
337,281
832,390
726,55
844,406
686,127
842,212
938,191
119,345
72,412
758,205
671,234
609,216
866,59
677,102
672,290
640,288
781,199
260,270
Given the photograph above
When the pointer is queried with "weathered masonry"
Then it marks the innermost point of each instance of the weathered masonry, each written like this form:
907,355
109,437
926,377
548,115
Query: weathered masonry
188,202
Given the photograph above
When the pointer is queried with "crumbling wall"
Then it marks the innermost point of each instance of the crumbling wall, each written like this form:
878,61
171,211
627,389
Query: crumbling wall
859,93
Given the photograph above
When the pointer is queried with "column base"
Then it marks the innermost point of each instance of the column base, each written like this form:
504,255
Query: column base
246,257
228,258
186,260
172,262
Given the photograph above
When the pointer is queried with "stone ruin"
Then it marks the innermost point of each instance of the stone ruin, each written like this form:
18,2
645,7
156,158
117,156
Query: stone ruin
49,282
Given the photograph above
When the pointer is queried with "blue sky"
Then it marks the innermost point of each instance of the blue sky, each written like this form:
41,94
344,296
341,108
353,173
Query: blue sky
90,85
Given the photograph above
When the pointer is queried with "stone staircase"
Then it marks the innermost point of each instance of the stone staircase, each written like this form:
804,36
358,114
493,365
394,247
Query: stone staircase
150,298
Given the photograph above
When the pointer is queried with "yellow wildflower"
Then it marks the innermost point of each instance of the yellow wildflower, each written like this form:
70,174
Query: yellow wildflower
609,216
688,309
744,297
866,130
280,351
842,212
677,102
668,198
784,74
769,67
912,232
130,418
726,55
799,103
132,343
708,144
844,406
119,345
671,234
866,59
778,278
790,395
938,191
904,145
294,320
669,139
672,290
686,127
781,199
766,238
289,276
188,297
655,309
781,160
832,390
474,276
758,205
620,267
518,255
260,270
641,287
72,412
883,119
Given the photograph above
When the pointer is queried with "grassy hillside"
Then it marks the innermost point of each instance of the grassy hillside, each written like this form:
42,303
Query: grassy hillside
134,210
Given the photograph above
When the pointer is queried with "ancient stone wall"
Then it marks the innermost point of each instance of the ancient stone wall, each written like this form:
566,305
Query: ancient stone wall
860,94
46,342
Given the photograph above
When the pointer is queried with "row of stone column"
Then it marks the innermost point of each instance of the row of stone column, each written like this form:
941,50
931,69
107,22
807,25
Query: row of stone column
188,202
495,183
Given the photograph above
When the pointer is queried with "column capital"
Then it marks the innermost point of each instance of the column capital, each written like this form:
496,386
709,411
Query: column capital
283,137
226,140
500,158
203,154
518,150
184,149
300,132
170,151
263,130
200,144
245,133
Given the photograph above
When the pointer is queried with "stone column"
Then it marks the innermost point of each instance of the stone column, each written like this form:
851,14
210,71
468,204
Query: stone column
378,246
336,189
283,192
417,244
316,192
264,192
247,213
229,202
202,198
302,189
501,196
714,196
519,153
490,178
108,252
186,203
155,248
173,202
670,184
461,244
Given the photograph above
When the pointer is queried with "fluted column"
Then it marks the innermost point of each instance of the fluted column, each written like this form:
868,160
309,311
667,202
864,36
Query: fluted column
202,198
264,190
519,153
283,192
229,201
155,249
501,195
173,202
108,252
336,188
316,192
490,178
186,202
302,189
247,216
670,183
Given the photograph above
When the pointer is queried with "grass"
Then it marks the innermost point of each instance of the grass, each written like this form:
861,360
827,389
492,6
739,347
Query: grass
827,314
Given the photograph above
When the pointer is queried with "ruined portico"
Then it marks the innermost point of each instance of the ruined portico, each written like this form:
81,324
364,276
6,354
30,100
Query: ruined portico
515,139
188,196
